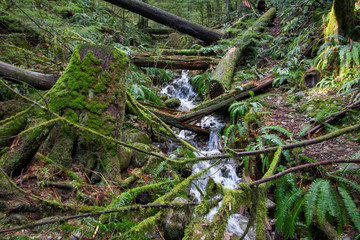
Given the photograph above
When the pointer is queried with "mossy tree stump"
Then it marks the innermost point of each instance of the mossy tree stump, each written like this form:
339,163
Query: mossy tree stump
91,93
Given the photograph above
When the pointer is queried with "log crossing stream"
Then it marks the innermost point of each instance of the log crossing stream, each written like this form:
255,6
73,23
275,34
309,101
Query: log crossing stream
224,173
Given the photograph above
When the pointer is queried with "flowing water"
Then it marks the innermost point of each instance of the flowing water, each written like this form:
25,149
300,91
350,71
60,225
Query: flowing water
224,173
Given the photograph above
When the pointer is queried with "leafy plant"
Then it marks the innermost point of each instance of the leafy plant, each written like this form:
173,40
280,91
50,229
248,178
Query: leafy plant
201,83
140,92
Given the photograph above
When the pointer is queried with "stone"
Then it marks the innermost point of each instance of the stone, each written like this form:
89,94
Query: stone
175,221
173,103
18,219
135,135
140,159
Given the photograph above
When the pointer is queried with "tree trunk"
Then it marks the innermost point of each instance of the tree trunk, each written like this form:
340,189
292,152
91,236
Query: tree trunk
213,105
224,72
341,18
159,31
34,79
173,62
91,95
200,32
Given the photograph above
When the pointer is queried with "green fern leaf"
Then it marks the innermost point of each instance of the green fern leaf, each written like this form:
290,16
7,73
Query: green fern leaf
279,129
274,139
290,226
350,207
283,209
322,201
346,181
311,199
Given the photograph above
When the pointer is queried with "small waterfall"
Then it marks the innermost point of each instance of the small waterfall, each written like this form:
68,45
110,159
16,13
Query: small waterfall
224,173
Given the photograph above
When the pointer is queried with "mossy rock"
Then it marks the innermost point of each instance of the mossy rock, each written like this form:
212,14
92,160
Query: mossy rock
140,159
175,221
135,135
173,103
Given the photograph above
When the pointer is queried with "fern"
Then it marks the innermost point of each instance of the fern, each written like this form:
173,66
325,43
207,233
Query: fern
311,199
322,201
346,181
285,208
279,129
273,139
350,207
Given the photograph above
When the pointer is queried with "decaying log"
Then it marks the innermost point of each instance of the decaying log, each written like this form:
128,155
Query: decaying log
221,102
182,25
173,62
186,52
224,72
159,31
37,80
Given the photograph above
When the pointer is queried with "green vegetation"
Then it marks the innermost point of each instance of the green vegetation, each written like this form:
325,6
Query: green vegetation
99,138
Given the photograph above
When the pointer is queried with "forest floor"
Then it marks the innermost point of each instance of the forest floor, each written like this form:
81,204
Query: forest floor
40,177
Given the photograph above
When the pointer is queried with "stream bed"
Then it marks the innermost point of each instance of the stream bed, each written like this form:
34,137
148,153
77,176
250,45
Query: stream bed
225,172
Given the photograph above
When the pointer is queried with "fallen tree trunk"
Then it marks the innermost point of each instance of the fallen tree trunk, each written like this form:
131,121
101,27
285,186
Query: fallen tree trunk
36,80
159,31
186,52
182,25
224,72
173,62
221,102
46,81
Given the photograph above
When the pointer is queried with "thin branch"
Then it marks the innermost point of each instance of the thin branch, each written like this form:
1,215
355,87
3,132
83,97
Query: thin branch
301,167
122,209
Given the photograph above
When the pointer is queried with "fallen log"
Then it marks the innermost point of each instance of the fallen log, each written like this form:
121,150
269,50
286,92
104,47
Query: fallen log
186,52
173,62
221,102
180,24
332,118
34,79
224,72
159,31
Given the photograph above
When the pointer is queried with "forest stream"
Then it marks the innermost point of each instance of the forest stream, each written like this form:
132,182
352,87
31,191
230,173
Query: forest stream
225,173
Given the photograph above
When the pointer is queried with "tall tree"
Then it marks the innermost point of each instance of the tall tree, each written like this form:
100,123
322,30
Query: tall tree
341,19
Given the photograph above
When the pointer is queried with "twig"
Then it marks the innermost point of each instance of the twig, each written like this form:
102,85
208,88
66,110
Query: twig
300,167
122,209
161,236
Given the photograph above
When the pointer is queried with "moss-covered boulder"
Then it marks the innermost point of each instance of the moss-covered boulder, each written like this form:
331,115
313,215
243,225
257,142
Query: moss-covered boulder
139,158
173,103
135,135
175,221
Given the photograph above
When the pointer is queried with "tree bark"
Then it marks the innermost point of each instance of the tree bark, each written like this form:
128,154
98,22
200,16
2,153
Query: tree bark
224,72
221,102
34,79
173,62
200,32
341,18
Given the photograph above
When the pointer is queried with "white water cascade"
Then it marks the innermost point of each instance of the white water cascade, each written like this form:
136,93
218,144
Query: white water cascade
224,173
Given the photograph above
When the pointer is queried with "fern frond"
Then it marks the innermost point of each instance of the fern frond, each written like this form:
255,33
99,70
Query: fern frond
346,181
311,199
279,129
274,139
322,201
303,131
290,223
350,207
283,210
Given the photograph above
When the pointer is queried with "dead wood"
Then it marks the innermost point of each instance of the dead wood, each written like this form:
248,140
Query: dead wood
332,118
180,24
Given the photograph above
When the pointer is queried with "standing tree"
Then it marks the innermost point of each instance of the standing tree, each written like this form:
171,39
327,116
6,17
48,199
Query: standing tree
341,18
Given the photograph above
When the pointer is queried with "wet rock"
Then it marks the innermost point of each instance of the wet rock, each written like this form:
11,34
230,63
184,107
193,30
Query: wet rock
140,159
309,109
172,103
134,135
175,221
270,205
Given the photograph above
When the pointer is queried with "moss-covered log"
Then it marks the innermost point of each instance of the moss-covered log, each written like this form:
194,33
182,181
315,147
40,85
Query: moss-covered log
222,101
173,62
159,31
90,93
224,72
